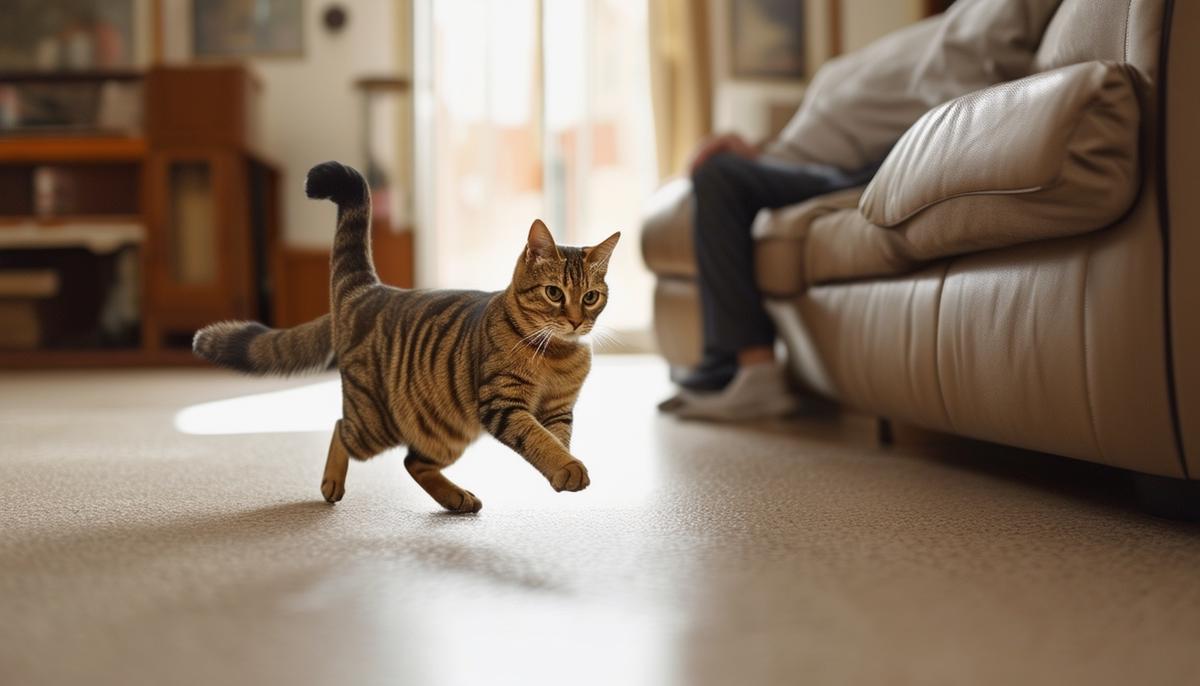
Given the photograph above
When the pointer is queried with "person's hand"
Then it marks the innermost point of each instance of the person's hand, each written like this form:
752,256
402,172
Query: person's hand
726,142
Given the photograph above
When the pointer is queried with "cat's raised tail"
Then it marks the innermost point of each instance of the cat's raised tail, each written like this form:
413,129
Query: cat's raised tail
256,349
351,268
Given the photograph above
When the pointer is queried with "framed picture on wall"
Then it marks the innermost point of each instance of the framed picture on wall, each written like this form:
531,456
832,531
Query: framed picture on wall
767,39
247,28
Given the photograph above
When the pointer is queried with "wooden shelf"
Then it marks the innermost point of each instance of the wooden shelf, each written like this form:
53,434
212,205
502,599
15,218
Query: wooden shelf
384,84
116,357
69,75
72,149
60,220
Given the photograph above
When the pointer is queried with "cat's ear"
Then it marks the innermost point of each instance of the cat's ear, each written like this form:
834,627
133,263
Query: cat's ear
597,255
540,245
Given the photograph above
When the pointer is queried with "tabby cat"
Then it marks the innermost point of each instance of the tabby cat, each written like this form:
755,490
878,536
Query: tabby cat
431,369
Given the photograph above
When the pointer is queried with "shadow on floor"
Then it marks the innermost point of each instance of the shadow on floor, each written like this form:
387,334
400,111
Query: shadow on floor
1078,480
261,536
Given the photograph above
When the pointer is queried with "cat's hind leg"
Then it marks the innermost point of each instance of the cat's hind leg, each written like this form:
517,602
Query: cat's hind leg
333,481
428,475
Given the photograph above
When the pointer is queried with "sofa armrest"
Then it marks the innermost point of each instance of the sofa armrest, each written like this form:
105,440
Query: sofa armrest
1051,155
780,241
667,230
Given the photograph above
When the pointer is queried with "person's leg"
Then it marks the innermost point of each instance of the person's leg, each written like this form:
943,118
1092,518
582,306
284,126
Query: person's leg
729,192
739,378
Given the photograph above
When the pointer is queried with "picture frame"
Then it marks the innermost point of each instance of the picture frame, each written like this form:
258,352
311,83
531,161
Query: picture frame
234,29
767,39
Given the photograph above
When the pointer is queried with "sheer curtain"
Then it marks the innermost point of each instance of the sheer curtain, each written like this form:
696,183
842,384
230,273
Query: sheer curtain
534,109
681,70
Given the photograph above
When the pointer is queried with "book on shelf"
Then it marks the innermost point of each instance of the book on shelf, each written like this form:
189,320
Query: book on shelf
20,326
28,283
20,292
98,236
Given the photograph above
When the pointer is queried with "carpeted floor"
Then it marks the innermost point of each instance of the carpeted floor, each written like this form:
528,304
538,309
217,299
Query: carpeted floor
165,527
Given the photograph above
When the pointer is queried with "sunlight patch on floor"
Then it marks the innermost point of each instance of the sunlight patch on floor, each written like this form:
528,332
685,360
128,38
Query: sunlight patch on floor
615,425
614,382
313,407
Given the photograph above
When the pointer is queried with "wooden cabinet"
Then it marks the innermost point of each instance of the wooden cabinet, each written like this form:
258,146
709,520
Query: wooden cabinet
214,227
214,105
203,261
211,250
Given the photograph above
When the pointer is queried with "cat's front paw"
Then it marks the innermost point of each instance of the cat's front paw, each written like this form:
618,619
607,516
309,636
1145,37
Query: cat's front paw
572,476
469,503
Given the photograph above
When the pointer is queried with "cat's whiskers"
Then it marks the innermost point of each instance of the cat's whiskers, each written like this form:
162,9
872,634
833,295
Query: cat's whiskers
545,343
603,335
530,337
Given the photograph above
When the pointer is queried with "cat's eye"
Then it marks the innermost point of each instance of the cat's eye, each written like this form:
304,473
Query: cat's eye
554,293
591,297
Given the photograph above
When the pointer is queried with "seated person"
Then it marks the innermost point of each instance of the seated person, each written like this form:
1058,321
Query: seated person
732,180
854,111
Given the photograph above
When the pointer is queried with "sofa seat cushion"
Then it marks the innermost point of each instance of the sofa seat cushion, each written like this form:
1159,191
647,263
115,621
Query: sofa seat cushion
784,265
1047,156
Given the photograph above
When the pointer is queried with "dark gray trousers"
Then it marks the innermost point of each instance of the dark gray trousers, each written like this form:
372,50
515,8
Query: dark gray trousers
729,191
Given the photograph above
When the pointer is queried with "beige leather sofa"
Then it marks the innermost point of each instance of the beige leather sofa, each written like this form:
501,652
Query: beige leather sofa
1019,271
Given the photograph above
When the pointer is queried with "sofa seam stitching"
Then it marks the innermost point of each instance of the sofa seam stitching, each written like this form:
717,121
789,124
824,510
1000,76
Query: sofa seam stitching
1087,375
1162,188
1023,190
937,345
1125,37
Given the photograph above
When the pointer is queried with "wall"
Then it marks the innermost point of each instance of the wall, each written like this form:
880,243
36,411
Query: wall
747,106
743,105
311,111
865,20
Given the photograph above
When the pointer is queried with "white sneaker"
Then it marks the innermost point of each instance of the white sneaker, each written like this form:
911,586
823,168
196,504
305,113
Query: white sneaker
759,391
681,397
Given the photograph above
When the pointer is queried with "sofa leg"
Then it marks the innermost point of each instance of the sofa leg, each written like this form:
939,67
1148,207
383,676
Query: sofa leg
1168,498
883,430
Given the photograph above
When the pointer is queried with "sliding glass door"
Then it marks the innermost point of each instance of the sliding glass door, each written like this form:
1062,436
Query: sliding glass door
527,109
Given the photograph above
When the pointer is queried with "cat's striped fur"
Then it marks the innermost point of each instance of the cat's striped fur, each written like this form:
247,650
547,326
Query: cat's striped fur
432,369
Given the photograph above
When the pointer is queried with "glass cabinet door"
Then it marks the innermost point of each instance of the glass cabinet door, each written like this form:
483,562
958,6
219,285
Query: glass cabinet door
191,239
195,266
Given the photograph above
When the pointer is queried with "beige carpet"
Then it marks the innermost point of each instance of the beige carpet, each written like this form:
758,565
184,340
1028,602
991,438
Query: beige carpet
149,535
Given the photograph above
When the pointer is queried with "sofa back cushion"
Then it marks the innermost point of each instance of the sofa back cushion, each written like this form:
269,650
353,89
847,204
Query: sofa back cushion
859,104
1050,155
1128,31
